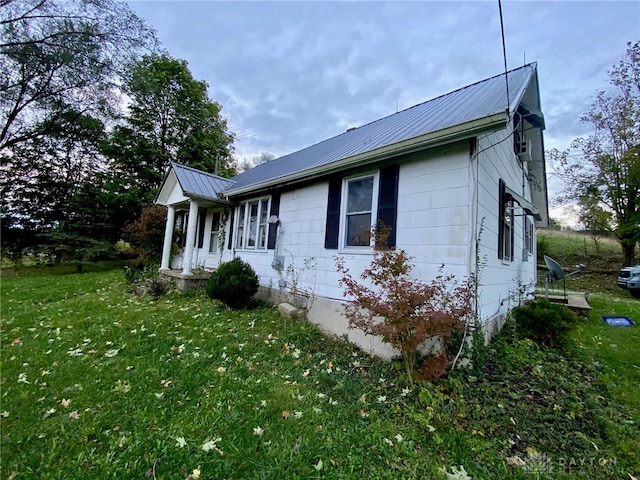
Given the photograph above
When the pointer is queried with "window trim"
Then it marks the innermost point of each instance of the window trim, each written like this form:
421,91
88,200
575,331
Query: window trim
386,208
528,236
213,248
244,216
505,228
342,238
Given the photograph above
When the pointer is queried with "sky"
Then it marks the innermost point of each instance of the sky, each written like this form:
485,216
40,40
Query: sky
291,74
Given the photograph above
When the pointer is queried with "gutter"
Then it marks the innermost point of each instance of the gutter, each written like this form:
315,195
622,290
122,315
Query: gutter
431,139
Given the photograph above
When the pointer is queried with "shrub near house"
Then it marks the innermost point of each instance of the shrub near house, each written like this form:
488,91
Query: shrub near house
548,324
412,311
234,283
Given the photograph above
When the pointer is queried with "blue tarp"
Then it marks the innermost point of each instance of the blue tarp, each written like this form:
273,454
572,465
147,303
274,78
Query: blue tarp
618,321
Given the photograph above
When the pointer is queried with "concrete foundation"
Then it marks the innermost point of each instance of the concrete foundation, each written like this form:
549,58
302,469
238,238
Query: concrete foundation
186,282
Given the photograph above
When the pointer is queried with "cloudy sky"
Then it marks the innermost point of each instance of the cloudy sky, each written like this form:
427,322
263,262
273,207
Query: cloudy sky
289,74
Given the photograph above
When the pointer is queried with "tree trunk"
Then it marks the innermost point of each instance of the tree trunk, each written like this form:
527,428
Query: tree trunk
628,250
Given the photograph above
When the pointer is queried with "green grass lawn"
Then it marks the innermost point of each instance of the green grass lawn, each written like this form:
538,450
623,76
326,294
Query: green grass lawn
97,383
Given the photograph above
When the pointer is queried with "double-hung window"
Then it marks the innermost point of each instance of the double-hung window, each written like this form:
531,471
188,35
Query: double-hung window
355,204
251,229
359,211
528,236
505,223
215,232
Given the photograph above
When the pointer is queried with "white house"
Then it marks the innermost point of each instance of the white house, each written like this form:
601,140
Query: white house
459,179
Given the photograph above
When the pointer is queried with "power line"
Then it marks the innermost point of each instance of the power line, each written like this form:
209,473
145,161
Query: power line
504,56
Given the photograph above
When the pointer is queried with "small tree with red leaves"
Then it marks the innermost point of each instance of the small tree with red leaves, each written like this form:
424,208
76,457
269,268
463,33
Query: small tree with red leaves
403,311
146,234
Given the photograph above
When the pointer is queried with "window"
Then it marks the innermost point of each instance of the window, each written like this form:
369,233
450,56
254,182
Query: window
215,232
180,229
262,225
507,231
528,236
505,223
356,204
358,212
251,229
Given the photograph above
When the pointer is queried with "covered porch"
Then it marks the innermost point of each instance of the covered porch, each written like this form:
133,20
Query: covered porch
195,228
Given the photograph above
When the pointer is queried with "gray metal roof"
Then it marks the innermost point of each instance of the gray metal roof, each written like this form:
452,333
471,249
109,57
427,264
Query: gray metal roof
200,184
473,102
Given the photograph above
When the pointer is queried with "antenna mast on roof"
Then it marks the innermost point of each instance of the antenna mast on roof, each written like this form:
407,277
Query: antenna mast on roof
504,56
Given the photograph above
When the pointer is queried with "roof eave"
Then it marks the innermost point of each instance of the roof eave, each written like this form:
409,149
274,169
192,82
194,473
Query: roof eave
217,200
428,140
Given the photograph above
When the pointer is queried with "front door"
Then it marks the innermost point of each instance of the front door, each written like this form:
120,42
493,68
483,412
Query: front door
214,248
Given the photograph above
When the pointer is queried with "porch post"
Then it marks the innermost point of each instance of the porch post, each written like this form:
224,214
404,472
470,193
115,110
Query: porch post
191,237
168,237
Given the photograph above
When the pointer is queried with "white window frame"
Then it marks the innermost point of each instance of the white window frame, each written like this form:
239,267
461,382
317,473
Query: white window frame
213,233
528,236
508,240
244,224
344,213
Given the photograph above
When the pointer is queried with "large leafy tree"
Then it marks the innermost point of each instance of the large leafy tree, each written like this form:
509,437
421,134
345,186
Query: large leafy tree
61,62
43,173
602,171
171,119
41,183
62,56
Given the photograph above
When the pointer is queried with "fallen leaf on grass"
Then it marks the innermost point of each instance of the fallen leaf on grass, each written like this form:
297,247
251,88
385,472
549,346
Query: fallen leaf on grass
74,415
212,445
195,475
516,461
285,414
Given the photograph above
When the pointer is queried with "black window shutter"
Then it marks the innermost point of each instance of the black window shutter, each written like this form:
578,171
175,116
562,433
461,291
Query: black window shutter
273,227
388,201
501,200
333,214
231,218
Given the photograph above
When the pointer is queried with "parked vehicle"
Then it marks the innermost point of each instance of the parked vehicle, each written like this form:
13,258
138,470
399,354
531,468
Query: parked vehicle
629,279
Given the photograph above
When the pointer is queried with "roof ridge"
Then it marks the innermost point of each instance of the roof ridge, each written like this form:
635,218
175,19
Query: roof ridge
459,89
201,172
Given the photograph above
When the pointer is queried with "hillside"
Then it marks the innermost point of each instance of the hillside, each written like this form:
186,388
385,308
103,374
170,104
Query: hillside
602,258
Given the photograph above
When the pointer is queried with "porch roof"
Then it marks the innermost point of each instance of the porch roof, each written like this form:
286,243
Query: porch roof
192,183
